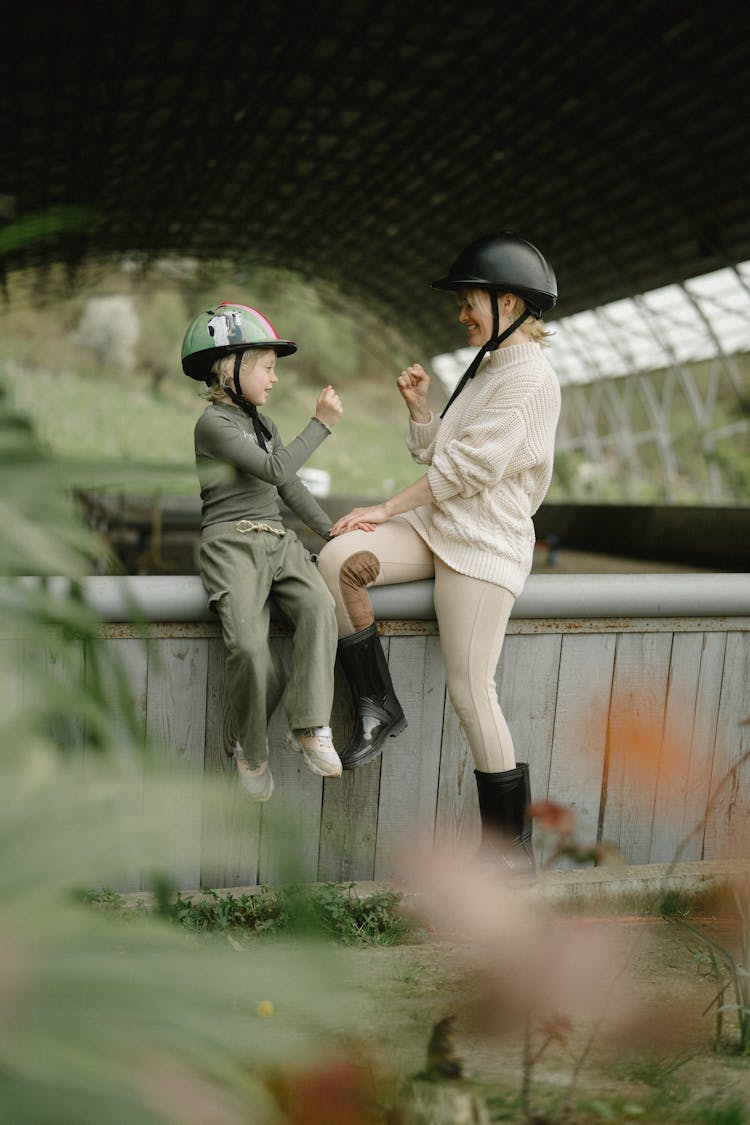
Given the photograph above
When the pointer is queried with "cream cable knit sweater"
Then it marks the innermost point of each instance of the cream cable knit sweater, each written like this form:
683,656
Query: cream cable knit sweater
490,464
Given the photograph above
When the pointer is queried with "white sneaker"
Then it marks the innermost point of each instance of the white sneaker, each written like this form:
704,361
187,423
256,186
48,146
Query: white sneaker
256,781
316,746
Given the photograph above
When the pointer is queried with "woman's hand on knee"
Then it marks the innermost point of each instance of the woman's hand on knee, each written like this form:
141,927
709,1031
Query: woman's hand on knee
361,519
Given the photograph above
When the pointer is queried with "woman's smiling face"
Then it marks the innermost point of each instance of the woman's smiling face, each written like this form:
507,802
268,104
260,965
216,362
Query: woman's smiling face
475,313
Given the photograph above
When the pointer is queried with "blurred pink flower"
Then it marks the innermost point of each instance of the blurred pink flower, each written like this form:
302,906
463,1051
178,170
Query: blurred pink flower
337,1090
183,1096
523,960
557,820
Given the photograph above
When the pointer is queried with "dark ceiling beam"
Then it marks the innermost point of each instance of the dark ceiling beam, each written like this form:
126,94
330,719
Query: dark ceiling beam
365,143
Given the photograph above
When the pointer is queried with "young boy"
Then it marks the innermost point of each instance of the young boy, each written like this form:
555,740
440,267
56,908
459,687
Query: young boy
247,554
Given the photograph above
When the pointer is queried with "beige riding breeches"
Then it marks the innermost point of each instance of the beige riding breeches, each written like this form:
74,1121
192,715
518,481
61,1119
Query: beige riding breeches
472,616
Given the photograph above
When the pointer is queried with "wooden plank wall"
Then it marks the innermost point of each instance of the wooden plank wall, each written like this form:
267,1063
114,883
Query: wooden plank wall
633,723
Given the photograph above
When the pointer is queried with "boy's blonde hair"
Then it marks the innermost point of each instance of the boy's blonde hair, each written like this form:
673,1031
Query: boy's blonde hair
533,326
222,373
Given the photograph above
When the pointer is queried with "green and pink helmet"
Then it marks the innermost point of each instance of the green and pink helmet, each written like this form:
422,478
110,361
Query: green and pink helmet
228,327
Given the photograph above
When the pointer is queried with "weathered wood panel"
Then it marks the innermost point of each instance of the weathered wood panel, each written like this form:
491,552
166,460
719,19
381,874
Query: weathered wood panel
176,726
118,666
728,822
231,824
688,746
633,726
13,686
411,761
579,737
65,667
349,826
457,813
290,836
527,689
636,720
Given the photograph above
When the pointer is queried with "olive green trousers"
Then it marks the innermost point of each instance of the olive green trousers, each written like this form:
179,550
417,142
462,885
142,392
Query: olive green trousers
243,571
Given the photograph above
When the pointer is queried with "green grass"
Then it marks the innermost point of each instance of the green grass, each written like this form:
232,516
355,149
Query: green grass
724,1112
116,419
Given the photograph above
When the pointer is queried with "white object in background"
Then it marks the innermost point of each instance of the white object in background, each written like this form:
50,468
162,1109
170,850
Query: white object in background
317,480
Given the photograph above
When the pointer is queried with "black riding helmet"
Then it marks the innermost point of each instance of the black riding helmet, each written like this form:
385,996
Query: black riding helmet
501,263
504,263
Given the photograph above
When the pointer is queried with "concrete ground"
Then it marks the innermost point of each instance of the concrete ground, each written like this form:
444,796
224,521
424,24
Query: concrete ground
565,560
637,889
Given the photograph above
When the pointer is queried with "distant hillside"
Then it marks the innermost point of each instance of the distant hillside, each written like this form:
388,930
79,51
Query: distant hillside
100,374
111,418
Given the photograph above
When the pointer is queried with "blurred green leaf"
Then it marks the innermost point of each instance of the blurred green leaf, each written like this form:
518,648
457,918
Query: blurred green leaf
105,1020
42,225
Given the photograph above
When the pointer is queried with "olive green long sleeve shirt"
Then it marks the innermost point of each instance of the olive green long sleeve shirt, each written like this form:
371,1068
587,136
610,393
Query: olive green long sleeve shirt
240,480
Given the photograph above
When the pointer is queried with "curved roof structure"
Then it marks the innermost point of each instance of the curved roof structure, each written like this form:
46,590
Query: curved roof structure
365,142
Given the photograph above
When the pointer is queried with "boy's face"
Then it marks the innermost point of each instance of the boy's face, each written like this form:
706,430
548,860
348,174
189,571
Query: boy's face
258,374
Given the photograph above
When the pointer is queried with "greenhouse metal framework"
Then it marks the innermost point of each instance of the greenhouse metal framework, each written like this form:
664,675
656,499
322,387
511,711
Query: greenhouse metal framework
662,400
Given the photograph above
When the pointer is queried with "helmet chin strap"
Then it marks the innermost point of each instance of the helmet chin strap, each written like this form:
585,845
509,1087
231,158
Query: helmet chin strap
491,345
261,432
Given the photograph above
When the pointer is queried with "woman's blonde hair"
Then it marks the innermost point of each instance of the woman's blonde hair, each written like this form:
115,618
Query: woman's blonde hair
222,373
533,326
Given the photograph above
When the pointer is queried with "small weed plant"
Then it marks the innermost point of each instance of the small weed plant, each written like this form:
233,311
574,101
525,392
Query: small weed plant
332,910
731,972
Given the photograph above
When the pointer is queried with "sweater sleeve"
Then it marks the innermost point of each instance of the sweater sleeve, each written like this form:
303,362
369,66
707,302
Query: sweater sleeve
420,440
507,437
223,439
478,457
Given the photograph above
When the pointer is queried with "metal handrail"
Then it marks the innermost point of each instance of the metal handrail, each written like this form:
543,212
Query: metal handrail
159,598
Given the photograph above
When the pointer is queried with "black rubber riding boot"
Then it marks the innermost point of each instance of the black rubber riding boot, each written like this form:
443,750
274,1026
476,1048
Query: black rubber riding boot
506,829
378,712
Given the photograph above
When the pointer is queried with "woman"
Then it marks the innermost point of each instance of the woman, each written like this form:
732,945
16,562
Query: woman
467,521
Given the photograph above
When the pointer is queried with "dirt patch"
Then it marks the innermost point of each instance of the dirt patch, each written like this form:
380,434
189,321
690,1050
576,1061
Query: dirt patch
645,1042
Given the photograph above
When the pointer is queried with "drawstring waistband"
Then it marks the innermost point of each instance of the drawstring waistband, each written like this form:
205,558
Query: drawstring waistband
231,527
248,525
